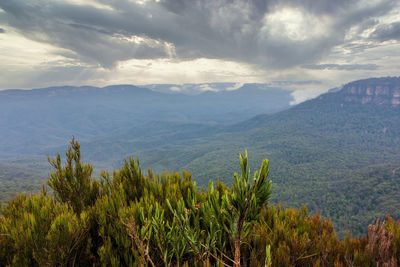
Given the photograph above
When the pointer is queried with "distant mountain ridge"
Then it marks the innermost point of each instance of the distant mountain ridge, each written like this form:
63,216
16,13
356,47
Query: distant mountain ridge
199,88
36,120
69,90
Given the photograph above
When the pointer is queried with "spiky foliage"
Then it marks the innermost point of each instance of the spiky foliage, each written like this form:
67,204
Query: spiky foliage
73,184
137,219
39,231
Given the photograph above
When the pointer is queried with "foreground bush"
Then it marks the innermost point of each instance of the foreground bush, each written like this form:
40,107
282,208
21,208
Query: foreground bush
163,219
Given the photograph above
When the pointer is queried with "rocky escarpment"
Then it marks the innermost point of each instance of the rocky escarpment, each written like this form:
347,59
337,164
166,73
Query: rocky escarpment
379,91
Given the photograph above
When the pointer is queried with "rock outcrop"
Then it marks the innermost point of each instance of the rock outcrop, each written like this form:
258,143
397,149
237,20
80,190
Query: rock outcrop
379,91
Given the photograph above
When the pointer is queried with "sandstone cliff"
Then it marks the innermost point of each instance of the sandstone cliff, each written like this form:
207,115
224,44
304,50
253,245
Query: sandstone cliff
379,91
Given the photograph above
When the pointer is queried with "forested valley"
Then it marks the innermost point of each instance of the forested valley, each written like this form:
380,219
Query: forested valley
164,219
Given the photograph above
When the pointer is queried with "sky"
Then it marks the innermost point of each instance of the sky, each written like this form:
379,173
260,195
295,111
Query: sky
307,45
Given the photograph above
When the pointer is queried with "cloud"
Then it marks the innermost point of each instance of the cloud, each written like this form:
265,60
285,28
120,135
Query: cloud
387,32
272,34
349,67
175,89
101,42
234,87
2,30
302,95
206,87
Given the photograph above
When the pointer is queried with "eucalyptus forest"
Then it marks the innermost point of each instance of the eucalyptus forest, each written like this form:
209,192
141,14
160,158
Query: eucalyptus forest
164,219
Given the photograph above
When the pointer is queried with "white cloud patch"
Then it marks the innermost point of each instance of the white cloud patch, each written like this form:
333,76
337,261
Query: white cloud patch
175,89
207,87
302,95
295,24
234,87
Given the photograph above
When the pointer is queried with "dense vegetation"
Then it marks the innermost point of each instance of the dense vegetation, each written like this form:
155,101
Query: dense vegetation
336,157
17,177
163,219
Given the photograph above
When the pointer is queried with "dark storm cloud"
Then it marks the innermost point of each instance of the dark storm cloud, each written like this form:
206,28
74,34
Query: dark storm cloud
186,29
387,32
342,67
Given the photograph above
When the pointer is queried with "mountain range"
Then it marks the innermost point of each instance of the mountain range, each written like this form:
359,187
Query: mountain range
35,120
339,153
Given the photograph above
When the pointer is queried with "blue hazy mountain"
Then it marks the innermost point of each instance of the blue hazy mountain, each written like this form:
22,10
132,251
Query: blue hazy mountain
35,120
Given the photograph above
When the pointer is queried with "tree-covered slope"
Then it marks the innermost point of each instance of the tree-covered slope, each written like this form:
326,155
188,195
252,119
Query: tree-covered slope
15,178
138,219
335,153
322,151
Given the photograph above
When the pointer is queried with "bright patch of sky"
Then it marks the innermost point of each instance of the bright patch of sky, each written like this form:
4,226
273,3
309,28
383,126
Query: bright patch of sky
295,24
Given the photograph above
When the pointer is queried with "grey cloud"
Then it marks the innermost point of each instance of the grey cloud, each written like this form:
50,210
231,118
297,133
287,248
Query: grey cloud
342,67
2,30
359,47
176,6
185,29
387,32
